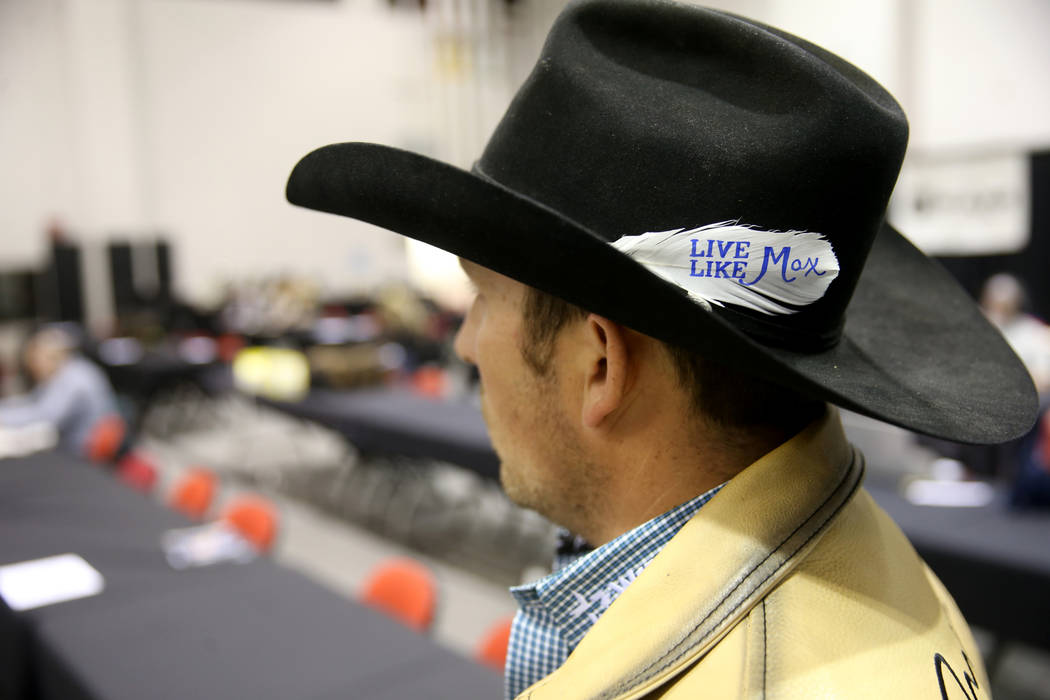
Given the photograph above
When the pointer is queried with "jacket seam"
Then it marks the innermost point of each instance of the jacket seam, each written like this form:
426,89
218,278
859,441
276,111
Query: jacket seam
673,657
765,649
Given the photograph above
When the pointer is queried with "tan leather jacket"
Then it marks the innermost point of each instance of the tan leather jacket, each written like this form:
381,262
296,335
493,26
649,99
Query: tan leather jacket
790,583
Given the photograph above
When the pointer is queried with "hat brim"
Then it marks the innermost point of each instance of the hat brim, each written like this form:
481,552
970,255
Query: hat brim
915,351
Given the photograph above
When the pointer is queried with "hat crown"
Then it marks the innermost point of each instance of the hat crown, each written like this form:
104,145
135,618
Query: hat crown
650,116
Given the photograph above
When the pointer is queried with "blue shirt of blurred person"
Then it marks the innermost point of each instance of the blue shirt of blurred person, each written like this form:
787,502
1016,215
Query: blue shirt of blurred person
72,394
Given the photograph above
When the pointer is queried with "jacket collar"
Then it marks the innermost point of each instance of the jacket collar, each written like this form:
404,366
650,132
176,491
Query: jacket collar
723,561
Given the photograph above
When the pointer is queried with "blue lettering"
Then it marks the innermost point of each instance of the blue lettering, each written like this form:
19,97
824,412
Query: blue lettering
783,258
811,266
741,249
701,253
724,247
721,269
739,268
693,272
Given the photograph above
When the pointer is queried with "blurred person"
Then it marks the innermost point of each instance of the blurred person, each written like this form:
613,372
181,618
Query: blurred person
69,393
1027,460
678,242
1003,300
1031,481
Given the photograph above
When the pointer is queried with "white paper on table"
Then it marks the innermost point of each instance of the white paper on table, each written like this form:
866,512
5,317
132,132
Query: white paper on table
32,584
204,545
951,494
27,439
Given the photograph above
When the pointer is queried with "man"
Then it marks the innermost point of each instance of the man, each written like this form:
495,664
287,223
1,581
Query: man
71,394
678,241
1002,300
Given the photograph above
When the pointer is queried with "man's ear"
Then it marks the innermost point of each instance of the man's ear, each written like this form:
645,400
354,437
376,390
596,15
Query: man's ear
608,376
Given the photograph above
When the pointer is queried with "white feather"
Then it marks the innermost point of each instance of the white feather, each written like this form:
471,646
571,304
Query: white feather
728,263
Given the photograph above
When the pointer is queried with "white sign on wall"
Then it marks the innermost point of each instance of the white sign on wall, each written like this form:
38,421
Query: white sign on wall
964,204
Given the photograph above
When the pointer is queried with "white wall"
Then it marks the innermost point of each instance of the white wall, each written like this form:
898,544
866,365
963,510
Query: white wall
969,73
36,181
982,74
184,116
234,93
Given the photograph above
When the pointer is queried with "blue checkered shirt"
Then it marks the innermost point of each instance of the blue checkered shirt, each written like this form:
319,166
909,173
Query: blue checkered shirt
556,611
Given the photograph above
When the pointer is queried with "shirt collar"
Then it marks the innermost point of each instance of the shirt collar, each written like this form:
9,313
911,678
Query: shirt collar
586,581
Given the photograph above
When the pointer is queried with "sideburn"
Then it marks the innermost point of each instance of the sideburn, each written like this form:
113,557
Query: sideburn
543,317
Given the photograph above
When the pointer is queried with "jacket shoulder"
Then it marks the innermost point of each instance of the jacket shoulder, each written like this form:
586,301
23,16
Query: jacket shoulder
861,617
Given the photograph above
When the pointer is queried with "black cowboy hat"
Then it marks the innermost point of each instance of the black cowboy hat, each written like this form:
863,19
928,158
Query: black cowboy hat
717,184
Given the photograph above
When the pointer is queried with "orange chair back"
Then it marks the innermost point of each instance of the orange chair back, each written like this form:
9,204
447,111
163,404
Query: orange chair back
1042,444
228,345
255,518
194,493
138,472
493,648
430,382
105,439
405,590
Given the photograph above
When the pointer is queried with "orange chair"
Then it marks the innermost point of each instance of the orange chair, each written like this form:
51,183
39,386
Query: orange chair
105,439
493,648
138,472
194,492
228,345
405,590
430,382
1043,440
255,518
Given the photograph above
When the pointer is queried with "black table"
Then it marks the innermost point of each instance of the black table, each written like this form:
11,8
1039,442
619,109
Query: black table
229,631
995,562
394,422
159,374
155,372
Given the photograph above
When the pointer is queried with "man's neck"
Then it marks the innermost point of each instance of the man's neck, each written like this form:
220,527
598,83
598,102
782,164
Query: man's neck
647,481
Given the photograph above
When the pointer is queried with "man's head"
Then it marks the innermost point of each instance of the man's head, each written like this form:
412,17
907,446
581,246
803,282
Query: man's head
532,417
1002,298
46,353
596,424
731,401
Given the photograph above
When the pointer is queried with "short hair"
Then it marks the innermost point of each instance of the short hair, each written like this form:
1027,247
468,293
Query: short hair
732,399
54,339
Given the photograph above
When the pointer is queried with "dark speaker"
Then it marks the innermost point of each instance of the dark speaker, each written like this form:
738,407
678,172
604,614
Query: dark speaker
18,295
163,271
140,274
122,278
60,288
